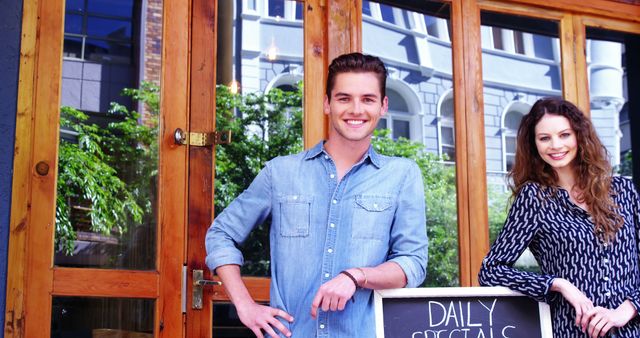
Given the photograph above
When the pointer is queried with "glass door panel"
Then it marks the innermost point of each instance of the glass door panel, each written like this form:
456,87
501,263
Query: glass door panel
108,157
79,317
520,64
259,98
415,44
613,73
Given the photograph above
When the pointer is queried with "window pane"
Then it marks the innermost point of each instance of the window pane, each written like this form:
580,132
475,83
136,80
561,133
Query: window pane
535,77
73,24
613,86
106,28
401,129
366,8
107,51
387,13
449,153
276,8
72,47
510,143
102,317
448,136
122,8
226,322
382,124
74,5
512,120
106,205
299,10
415,99
269,124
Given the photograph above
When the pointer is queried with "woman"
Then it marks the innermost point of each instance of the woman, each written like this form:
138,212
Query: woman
580,222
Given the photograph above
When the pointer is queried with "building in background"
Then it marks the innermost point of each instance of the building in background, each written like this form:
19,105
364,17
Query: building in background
106,48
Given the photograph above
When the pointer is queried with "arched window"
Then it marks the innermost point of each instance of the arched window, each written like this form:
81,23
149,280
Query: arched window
404,117
288,82
513,114
446,131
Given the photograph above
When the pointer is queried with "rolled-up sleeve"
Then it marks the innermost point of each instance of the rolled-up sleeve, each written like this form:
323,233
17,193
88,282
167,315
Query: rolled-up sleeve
409,243
519,229
232,227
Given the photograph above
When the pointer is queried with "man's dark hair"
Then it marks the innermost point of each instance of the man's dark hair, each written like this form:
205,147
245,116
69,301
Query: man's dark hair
357,63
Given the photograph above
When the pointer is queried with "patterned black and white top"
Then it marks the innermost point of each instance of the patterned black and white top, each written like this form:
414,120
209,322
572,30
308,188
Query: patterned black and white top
561,237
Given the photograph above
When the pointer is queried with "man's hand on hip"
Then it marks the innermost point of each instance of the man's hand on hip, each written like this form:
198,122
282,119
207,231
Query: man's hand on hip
260,318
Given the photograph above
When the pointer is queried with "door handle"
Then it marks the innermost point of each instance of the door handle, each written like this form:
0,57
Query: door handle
198,283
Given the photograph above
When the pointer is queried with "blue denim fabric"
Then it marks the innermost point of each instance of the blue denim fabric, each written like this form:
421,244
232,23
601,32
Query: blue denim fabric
321,226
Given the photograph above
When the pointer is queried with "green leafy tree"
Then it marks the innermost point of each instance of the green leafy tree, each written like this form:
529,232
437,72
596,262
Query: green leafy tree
440,200
107,171
263,126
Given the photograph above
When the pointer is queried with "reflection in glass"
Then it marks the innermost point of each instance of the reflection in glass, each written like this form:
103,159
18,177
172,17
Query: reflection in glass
265,114
102,317
108,159
612,59
420,92
521,63
226,322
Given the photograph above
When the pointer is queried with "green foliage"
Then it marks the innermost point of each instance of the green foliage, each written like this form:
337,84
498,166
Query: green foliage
440,199
107,171
626,165
498,209
263,126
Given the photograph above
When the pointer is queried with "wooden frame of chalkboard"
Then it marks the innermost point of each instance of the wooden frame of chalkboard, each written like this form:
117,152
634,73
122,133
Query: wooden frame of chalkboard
469,312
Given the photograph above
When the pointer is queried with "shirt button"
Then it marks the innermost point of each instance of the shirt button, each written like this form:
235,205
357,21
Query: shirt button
326,275
605,278
333,225
605,261
607,294
332,175
330,250
334,201
322,326
326,157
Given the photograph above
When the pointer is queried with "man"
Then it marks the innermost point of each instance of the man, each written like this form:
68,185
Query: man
344,220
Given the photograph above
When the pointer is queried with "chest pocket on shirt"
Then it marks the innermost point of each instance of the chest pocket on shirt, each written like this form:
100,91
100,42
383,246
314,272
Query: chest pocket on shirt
295,215
372,216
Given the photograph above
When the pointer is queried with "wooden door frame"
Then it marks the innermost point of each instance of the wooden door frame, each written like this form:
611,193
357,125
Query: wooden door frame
32,279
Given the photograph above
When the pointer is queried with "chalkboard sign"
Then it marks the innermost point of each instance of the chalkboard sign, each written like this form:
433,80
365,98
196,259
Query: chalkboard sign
474,312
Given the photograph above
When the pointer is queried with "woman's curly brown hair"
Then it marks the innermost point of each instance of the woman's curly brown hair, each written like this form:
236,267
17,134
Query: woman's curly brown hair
593,172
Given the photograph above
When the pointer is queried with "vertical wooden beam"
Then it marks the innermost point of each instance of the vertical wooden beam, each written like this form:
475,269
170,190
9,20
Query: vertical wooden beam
460,122
568,59
477,231
22,170
344,22
580,70
201,159
315,64
45,150
173,166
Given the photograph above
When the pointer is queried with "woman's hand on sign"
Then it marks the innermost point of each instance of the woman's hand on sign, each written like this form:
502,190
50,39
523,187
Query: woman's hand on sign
333,295
260,318
581,303
601,320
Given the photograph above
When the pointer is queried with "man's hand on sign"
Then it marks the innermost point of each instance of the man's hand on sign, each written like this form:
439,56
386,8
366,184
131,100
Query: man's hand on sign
333,295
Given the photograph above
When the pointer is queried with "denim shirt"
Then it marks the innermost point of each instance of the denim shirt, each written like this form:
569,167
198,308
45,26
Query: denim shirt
321,226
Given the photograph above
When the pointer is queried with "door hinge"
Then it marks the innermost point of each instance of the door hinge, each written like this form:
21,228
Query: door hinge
202,139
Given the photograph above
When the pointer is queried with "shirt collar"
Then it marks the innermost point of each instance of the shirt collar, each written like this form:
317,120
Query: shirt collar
376,159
